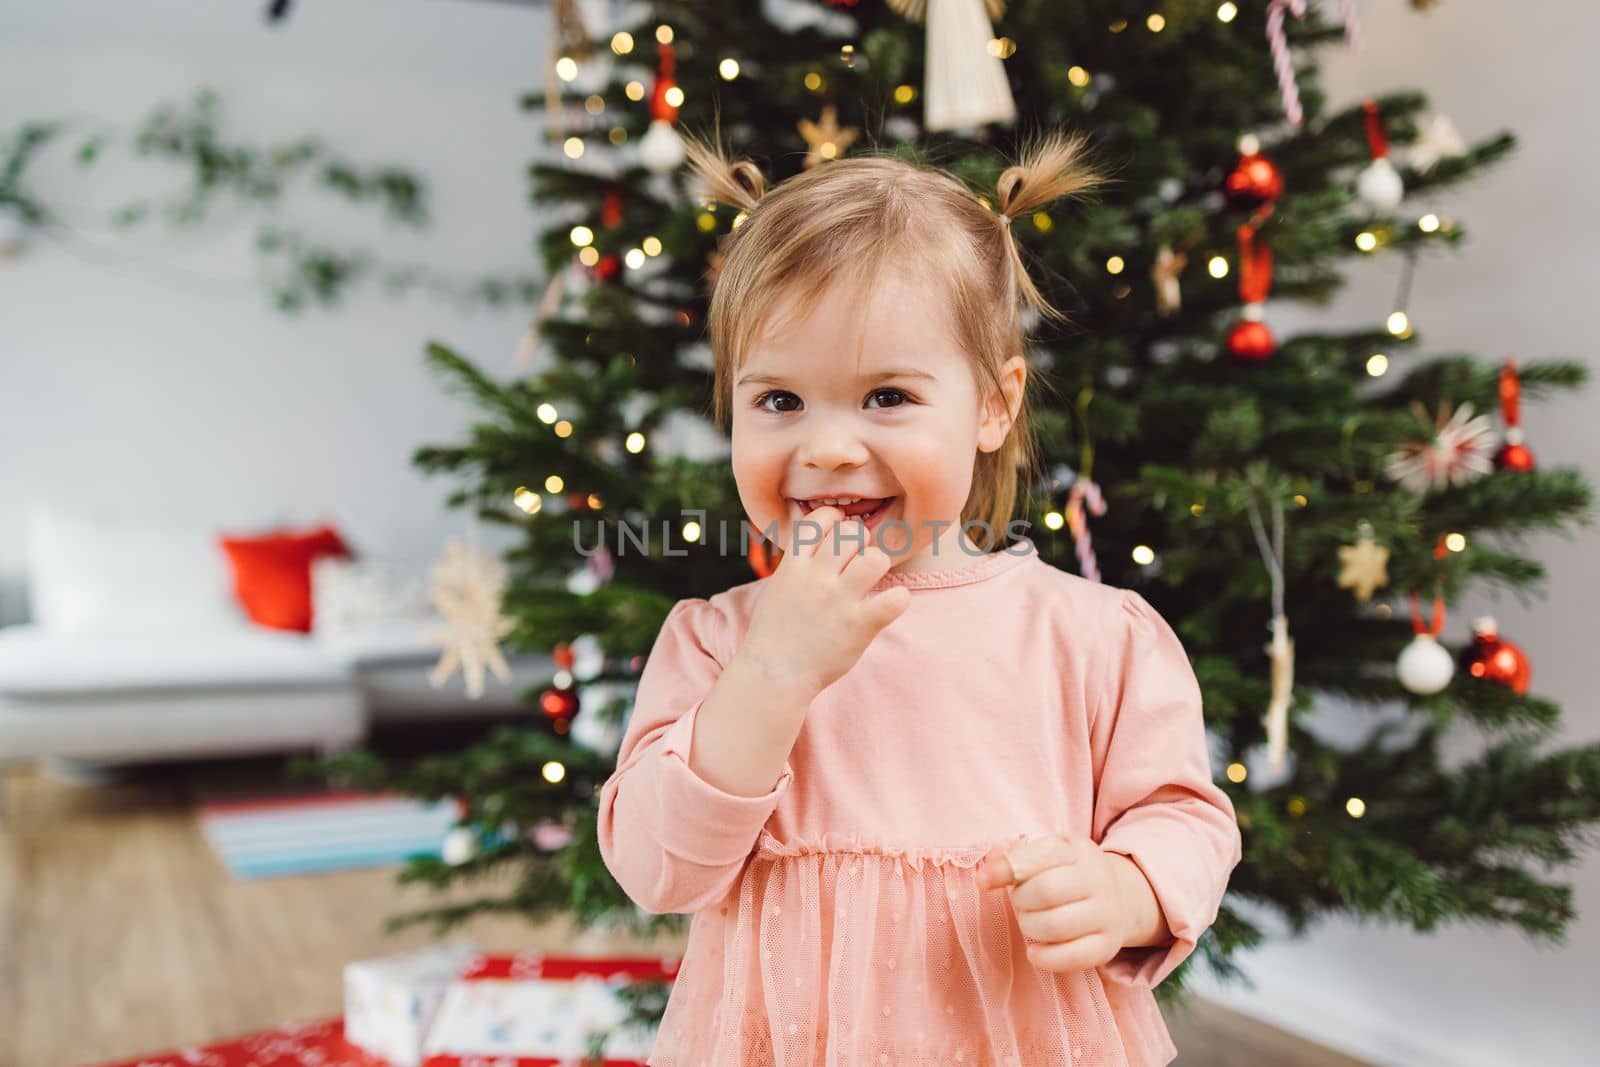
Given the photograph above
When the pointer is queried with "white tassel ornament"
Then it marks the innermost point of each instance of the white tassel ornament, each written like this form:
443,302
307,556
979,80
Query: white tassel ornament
967,83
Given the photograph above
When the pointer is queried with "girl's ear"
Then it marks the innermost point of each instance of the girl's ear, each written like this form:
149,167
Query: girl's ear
1001,406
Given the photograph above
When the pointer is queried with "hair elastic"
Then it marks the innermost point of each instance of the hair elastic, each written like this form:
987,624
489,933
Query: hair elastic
1005,220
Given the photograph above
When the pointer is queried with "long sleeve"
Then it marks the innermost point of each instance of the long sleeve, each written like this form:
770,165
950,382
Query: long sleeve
673,841
1155,799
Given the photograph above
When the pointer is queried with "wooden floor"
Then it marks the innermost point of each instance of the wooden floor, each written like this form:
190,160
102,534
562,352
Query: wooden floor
122,934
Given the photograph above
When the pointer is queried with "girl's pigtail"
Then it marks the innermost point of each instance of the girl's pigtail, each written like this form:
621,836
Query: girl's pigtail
738,183
1051,166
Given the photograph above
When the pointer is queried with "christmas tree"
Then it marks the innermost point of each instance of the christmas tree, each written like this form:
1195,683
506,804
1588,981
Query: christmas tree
1302,506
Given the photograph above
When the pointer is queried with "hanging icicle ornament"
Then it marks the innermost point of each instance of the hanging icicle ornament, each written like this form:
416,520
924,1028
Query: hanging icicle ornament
1281,648
466,587
1378,185
1425,666
661,149
966,82
1283,61
1513,454
1458,453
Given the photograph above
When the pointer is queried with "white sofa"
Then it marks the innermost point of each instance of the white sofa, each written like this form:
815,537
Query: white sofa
139,654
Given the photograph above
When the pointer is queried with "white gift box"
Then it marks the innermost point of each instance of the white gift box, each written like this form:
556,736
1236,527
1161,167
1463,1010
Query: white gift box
390,1003
528,1009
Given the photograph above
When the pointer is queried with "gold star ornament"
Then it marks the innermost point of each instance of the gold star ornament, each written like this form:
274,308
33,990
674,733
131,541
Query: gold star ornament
825,139
1363,566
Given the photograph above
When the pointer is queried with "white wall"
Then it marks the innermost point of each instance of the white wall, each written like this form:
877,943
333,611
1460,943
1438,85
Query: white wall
151,375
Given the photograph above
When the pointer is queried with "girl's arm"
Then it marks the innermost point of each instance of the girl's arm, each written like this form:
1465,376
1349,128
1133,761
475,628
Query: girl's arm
1155,799
701,767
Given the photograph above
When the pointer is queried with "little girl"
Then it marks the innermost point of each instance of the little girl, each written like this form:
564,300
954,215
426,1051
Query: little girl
930,803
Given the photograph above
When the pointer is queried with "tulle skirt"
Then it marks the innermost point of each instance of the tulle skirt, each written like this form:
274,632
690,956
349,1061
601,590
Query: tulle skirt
836,952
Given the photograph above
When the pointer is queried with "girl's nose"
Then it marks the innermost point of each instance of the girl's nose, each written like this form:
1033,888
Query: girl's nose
830,443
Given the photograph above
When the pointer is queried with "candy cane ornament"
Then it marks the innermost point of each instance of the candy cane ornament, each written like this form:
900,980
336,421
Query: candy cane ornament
1283,62
1084,494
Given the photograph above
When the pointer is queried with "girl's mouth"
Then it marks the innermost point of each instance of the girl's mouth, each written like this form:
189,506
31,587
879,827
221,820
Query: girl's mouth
870,512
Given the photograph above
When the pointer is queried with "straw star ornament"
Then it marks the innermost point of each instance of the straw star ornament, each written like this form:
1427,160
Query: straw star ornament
466,586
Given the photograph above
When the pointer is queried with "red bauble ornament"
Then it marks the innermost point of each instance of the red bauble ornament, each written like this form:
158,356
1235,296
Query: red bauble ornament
1254,181
609,267
1495,659
1514,457
577,501
764,557
1250,341
563,655
558,703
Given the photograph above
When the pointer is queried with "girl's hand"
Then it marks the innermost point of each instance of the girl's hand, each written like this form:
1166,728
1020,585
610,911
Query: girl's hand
817,613
1074,902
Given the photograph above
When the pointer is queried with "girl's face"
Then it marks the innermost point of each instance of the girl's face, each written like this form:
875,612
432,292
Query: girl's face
903,427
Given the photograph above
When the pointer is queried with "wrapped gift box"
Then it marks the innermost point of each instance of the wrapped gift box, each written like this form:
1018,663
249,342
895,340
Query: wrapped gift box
390,1002
541,1011
321,1043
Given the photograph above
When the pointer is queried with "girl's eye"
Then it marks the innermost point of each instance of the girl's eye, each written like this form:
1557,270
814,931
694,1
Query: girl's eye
886,397
761,401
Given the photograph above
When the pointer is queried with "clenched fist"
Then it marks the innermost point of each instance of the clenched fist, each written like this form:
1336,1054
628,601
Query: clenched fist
1077,904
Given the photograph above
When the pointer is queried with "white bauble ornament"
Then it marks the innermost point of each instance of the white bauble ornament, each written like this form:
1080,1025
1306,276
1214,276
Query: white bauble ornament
1379,185
588,659
1424,666
459,846
590,729
582,582
661,149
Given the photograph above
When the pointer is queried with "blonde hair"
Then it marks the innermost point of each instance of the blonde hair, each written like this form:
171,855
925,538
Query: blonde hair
846,220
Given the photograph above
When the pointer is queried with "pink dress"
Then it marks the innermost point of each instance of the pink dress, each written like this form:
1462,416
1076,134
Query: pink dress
837,917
